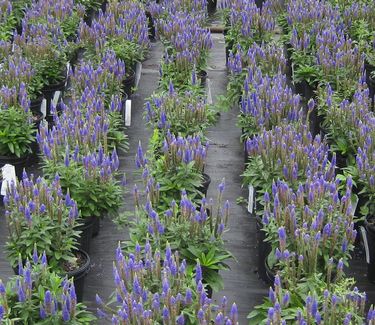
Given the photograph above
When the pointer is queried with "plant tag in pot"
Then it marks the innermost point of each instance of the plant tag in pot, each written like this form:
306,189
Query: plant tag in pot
138,71
9,175
128,112
56,98
43,108
250,200
209,93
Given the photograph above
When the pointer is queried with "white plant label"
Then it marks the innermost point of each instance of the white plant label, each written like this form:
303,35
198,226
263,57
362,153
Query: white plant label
128,112
209,93
56,98
9,174
43,108
365,243
138,72
250,200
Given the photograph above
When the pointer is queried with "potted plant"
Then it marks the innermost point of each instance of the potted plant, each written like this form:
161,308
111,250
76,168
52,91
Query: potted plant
16,71
365,173
49,63
38,295
268,58
8,20
103,75
195,231
183,114
17,130
175,297
287,153
178,165
91,181
311,224
312,301
39,216
268,103
345,115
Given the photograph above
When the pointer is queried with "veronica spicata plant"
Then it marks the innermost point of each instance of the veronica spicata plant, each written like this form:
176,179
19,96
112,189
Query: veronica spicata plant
313,302
195,232
249,24
309,229
39,215
90,179
343,121
160,291
365,162
7,20
268,58
17,131
286,153
104,75
38,295
84,124
179,166
267,104
182,114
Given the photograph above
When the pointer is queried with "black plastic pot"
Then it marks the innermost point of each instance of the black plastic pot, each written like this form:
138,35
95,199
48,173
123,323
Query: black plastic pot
76,57
270,275
228,49
259,3
49,93
79,274
371,87
316,121
369,241
205,184
151,26
96,227
18,163
36,104
103,6
89,16
264,249
86,227
129,83
37,120
211,6
202,75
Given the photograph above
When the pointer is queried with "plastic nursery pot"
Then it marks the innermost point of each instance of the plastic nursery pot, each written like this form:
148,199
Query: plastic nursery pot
36,104
270,274
37,120
228,48
259,3
77,274
89,16
205,184
369,240
80,273
96,227
19,163
264,249
49,92
103,6
151,26
202,75
371,87
76,57
129,82
211,6
86,228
